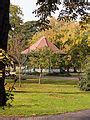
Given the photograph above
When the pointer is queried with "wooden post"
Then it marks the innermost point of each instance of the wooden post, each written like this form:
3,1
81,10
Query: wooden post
4,29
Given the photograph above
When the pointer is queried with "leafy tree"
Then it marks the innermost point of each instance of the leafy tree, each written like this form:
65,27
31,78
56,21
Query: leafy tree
84,81
16,42
29,29
62,35
40,59
54,34
15,48
75,46
19,35
15,16
70,11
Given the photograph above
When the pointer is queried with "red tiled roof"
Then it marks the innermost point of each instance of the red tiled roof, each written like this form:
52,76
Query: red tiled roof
43,42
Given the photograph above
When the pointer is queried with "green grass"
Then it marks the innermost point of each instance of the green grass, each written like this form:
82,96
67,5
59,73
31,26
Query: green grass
59,97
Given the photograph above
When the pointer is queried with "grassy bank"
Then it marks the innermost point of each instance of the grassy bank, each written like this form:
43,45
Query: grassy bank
59,97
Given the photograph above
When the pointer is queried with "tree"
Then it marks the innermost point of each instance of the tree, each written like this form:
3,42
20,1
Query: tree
16,42
15,16
68,37
4,29
70,11
29,29
15,48
54,34
84,81
79,52
40,59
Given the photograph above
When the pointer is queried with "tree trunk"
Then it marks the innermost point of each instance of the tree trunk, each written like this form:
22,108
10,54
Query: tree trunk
40,76
2,89
75,71
14,67
68,69
19,75
50,64
34,69
4,29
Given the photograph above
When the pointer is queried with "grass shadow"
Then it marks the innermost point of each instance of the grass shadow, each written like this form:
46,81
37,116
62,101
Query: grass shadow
53,92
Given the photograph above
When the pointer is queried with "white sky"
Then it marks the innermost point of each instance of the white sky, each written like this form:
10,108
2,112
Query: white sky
27,6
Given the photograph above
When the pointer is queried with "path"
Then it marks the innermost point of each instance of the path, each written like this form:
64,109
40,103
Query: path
81,115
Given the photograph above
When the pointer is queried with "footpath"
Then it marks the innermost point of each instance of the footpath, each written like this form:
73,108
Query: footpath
80,115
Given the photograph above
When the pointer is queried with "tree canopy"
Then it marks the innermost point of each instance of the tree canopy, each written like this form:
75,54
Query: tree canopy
70,10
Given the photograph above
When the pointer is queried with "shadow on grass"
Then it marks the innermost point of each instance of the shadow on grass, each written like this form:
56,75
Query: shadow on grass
50,81
53,92
22,106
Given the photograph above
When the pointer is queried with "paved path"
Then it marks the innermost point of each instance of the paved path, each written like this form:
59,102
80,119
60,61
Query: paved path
81,115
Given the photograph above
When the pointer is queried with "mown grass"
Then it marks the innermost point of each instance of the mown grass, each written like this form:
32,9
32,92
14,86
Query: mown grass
42,99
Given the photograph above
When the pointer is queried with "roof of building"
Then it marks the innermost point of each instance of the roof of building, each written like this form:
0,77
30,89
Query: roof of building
40,44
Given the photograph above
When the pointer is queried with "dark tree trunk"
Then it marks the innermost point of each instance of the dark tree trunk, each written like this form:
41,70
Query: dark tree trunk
68,69
50,64
75,70
2,89
4,29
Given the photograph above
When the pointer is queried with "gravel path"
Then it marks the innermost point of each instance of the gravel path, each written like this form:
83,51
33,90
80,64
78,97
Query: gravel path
81,115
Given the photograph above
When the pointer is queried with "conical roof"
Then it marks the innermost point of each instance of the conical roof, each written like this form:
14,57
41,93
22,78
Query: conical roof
41,43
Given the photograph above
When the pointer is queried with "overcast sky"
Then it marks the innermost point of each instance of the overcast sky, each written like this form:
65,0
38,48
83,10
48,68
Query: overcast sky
27,6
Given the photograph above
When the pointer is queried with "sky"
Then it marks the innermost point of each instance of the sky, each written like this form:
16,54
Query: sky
27,6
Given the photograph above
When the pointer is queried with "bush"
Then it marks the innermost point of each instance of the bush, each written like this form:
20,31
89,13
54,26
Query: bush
84,81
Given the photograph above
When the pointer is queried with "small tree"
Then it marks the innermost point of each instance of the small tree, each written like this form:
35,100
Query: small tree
84,81
16,42
15,48
41,60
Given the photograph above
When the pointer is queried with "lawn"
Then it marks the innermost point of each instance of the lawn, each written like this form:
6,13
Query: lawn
49,97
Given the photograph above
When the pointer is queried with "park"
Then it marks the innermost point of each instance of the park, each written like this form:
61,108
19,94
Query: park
45,63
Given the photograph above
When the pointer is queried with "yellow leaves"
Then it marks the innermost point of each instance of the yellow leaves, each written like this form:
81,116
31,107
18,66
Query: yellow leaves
60,33
88,34
2,53
89,41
